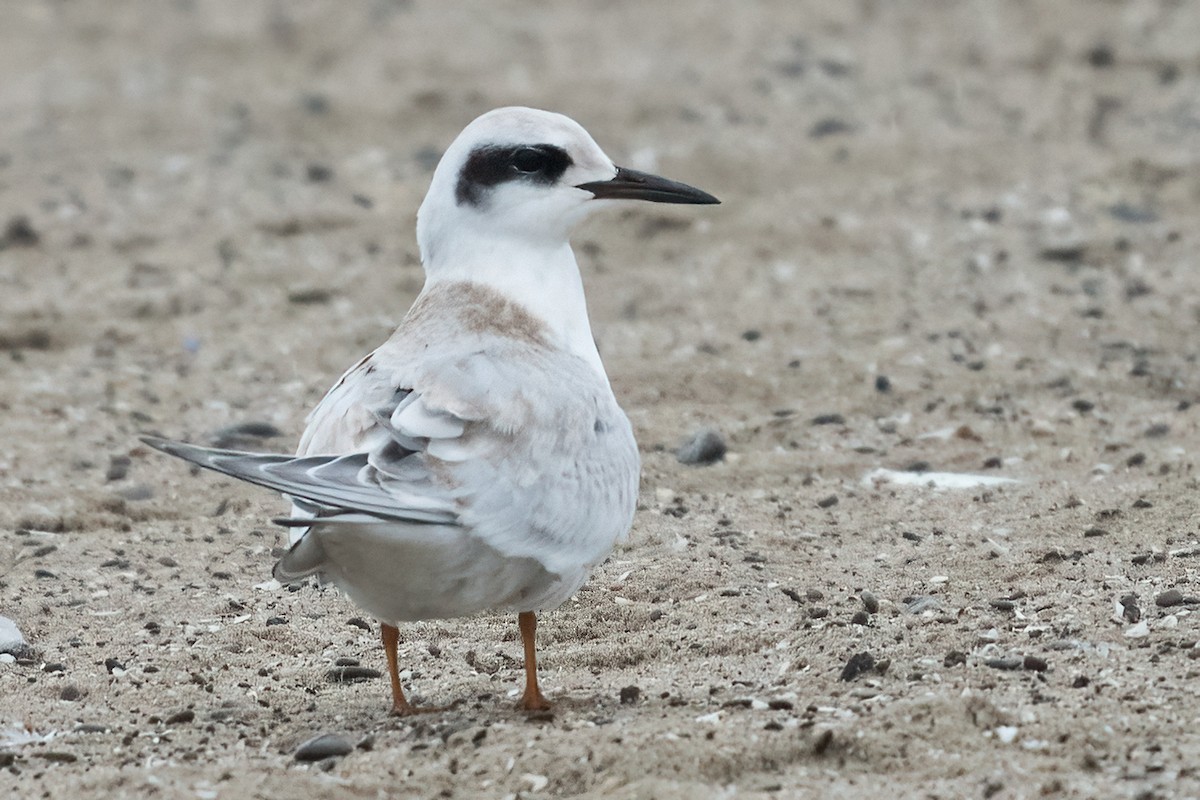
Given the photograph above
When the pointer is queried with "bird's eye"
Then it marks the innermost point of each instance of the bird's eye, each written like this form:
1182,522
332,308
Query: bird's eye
529,160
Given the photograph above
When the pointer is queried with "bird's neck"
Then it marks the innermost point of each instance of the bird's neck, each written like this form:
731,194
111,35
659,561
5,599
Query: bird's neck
543,279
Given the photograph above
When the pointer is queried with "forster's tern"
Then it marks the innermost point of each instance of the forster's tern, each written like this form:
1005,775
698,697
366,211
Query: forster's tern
477,460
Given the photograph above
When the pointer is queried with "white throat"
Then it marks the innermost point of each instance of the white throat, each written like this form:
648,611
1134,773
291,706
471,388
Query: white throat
540,276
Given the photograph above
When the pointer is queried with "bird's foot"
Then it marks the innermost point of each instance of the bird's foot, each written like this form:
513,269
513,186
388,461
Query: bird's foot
533,701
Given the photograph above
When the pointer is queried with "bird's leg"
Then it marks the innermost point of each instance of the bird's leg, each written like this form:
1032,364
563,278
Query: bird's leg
532,700
391,637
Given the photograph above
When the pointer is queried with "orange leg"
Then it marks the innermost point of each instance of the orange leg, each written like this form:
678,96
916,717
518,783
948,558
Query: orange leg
532,700
400,704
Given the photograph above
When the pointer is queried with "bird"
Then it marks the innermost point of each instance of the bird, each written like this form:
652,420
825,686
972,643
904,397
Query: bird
478,460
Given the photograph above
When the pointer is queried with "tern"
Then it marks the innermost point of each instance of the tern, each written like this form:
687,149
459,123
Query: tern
478,459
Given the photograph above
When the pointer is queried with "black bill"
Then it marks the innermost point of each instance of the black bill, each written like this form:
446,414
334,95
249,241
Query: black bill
629,184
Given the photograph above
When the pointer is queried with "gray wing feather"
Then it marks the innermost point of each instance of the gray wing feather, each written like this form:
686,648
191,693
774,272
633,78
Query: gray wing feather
346,482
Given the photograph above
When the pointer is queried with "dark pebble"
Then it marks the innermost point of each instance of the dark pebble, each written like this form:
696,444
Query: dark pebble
19,233
276,621
319,173
1130,609
793,594
1171,597
58,757
91,727
1002,605
167,561
1101,56
814,594
111,664
829,126
352,674
1004,663
1034,663
630,695
705,447
870,602
1080,682
752,335
240,433
1093,532
327,745
1142,502
118,468
860,618
1083,406
917,466
911,536
359,622
181,717
818,612
954,658
1157,431
829,419
346,661
70,692
857,665
828,502
780,705
1135,460
44,574
7,758
55,667
311,296
883,384
993,463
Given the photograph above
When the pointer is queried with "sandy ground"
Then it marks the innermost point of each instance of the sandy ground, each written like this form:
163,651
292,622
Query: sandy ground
962,235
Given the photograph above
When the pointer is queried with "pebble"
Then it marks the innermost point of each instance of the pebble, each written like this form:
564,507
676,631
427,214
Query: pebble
118,468
860,618
705,447
327,745
829,419
11,640
828,502
954,658
870,602
857,665
1035,663
70,692
181,717
1004,663
1171,597
352,674
630,695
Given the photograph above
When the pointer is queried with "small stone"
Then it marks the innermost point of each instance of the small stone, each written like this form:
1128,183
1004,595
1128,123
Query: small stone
705,447
181,717
327,745
1093,532
352,674
346,661
118,468
818,612
870,602
359,622
70,692
829,419
1129,608
112,664
883,384
167,561
1004,663
828,502
240,433
860,618
276,621
1171,597
954,658
857,665
1035,664
53,668
1002,604
19,233
318,173
630,695
12,641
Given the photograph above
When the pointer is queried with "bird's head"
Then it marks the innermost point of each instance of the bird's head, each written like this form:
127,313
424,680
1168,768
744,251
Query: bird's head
527,177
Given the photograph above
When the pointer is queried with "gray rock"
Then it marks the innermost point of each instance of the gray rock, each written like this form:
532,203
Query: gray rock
705,447
11,640
327,745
